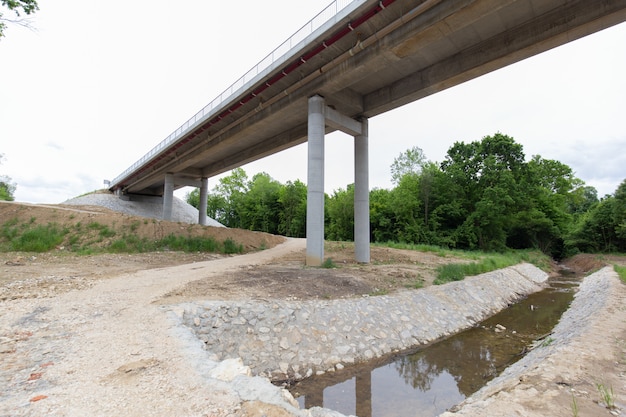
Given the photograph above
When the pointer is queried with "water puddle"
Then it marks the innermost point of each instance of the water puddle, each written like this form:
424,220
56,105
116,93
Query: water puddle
428,381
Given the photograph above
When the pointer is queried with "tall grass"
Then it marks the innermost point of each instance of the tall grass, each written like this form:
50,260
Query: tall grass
38,238
489,262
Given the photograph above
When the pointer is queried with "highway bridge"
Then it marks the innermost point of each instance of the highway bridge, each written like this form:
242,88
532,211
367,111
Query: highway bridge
353,61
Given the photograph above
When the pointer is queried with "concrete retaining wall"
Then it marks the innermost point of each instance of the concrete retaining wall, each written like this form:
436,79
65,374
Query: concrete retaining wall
283,339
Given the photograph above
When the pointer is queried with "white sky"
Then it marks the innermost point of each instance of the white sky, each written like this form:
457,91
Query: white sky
99,83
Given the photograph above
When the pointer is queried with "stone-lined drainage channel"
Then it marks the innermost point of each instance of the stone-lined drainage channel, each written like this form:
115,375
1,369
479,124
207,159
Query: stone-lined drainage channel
295,340
430,380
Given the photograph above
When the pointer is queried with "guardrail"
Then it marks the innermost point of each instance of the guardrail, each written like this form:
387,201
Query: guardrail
281,54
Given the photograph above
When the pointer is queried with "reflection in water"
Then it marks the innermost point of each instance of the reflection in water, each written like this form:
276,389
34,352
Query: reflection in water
429,381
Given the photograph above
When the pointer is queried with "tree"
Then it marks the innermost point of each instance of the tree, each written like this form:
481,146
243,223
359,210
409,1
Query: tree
15,6
486,182
292,216
260,208
340,209
410,161
7,187
382,219
619,214
407,209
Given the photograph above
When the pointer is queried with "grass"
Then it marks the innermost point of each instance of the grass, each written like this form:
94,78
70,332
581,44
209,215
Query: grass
621,271
487,263
437,250
607,396
575,409
483,261
458,271
329,264
99,238
38,238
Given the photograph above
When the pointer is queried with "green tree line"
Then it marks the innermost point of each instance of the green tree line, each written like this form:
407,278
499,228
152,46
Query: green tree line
484,195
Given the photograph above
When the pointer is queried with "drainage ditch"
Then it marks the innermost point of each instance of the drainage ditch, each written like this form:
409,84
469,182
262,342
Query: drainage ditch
430,380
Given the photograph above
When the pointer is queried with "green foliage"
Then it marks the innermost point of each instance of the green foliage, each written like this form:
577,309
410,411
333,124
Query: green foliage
484,196
187,244
7,187
260,204
38,238
340,215
103,230
458,271
230,247
575,409
603,227
292,209
621,271
15,6
410,161
607,395
30,237
329,264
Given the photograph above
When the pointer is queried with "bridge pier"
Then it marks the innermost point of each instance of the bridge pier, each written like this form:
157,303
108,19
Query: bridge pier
171,182
202,207
321,115
315,183
168,196
362,196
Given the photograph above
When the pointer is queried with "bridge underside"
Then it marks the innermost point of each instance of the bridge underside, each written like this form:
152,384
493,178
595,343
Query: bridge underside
401,53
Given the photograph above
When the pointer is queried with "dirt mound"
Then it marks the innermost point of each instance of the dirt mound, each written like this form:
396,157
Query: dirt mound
584,264
98,226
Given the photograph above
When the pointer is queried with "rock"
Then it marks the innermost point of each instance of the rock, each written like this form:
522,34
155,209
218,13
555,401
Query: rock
229,369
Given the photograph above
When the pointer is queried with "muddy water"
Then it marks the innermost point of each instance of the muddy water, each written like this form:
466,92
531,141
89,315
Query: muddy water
428,381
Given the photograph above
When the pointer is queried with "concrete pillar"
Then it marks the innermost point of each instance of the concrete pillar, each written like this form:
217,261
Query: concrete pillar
168,196
361,196
315,183
204,192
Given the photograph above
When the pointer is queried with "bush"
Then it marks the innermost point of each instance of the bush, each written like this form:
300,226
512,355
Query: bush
230,246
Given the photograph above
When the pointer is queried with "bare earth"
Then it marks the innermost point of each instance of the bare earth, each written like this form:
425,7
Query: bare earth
85,333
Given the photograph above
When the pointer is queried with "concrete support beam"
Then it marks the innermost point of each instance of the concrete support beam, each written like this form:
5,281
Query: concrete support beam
204,193
341,122
315,183
168,196
362,196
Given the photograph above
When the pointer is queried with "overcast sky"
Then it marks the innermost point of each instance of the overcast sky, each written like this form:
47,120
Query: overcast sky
99,83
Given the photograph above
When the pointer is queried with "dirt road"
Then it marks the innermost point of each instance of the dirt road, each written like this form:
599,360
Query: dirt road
110,349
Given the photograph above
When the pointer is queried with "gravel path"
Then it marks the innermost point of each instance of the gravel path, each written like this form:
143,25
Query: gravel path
109,351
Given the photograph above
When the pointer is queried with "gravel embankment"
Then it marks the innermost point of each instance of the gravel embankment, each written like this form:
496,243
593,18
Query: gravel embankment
151,207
